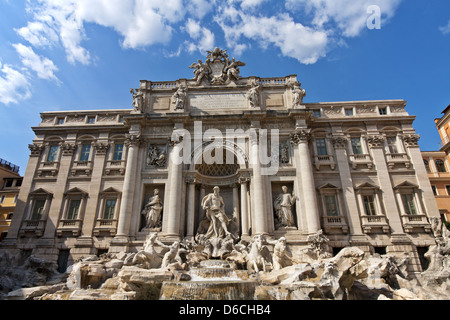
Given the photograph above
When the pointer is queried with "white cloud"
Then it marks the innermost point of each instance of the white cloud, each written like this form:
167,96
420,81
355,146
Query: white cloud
14,85
293,39
349,16
445,29
44,67
203,37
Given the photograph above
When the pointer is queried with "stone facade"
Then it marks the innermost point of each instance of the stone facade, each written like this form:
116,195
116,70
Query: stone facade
352,169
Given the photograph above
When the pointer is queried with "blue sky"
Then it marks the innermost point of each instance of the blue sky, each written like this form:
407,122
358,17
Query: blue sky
87,54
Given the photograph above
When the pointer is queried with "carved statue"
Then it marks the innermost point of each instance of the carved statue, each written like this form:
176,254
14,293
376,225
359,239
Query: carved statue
232,70
297,95
279,257
172,256
253,96
148,258
201,71
284,154
216,54
259,256
283,209
138,100
179,98
318,245
215,213
152,212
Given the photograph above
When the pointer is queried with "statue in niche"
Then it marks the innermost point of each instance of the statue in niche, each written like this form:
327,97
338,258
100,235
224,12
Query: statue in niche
215,213
138,100
253,96
179,99
283,209
152,212
284,154
156,157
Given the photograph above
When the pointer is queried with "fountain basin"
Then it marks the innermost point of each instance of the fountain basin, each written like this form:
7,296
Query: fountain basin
208,290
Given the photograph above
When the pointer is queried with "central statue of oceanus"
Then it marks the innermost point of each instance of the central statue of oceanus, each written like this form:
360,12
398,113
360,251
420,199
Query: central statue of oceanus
217,231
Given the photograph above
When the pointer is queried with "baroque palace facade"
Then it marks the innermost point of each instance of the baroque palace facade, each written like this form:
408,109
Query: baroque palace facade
351,169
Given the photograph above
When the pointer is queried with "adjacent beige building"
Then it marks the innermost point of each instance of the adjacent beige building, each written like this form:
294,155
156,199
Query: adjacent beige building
355,169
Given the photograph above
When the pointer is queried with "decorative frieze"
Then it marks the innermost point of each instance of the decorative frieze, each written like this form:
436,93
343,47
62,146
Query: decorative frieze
340,142
101,148
375,141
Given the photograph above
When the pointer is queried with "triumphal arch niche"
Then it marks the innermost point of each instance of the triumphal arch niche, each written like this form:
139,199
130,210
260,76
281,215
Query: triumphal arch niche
221,133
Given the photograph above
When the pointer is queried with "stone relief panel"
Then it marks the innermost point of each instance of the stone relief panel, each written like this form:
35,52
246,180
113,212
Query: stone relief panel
156,156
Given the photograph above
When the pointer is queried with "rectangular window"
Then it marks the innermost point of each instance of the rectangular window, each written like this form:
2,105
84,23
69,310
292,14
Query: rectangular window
392,144
60,121
118,152
74,206
15,198
85,151
331,206
38,209
435,190
91,120
316,113
446,187
369,205
52,153
408,204
356,146
110,206
2,199
348,112
321,145
383,111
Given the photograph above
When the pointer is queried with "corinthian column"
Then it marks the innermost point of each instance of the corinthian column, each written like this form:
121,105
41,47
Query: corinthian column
260,219
172,229
133,141
304,173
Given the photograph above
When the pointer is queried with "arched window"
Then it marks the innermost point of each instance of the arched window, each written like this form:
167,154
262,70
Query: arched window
440,166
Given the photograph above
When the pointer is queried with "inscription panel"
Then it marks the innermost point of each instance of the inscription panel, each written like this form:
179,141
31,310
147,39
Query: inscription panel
218,101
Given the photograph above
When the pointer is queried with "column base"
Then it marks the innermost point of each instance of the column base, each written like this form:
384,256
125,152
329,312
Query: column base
119,244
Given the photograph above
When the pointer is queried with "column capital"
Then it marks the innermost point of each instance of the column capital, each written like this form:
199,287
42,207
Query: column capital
175,139
244,180
133,140
300,136
35,149
411,140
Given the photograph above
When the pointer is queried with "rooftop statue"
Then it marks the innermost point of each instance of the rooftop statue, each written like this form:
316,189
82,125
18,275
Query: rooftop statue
217,69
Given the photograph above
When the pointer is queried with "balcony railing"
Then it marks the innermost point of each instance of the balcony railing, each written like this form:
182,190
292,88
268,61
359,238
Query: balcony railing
336,223
372,223
72,226
361,159
9,166
397,158
412,221
108,226
326,160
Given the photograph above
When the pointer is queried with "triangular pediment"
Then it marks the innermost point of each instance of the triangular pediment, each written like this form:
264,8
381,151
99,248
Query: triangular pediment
40,191
406,184
327,186
110,190
367,185
76,191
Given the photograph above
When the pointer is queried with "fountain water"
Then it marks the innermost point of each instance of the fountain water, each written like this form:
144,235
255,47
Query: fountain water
213,280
